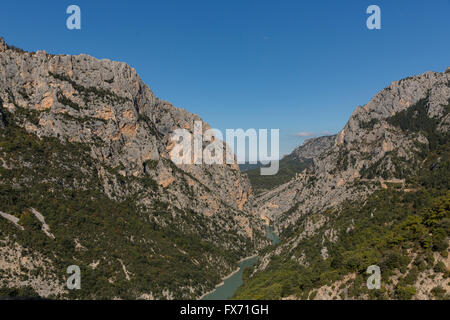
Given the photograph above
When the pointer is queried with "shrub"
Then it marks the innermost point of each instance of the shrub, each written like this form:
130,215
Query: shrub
405,293
438,292
440,267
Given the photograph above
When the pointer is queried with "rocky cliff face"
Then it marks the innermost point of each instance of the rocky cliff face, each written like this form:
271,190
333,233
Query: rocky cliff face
313,147
124,131
373,149
104,103
368,200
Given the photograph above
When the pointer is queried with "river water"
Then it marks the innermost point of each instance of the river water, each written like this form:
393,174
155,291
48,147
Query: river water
231,284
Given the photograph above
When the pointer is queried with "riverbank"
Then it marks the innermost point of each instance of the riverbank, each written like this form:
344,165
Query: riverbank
227,288
229,276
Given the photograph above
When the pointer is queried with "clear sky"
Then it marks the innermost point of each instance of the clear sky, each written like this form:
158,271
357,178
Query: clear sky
300,66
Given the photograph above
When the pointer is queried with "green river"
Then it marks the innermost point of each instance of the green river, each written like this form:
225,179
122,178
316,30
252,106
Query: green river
232,283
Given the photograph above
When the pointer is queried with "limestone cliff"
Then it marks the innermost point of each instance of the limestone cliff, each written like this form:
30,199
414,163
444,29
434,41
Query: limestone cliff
371,148
120,135
378,196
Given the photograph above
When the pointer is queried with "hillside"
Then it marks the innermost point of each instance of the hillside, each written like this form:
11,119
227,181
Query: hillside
291,165
379,196
86,179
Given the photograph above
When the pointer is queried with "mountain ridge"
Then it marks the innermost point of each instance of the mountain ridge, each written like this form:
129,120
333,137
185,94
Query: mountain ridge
367,201
115,137
366,127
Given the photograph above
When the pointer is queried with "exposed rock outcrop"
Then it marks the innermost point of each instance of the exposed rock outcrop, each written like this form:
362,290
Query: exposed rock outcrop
378,197
371,148
313,147
104,106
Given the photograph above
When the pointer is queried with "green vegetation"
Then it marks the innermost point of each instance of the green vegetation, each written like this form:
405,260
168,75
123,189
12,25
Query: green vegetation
23,292
150,125
163,248
89,92
67,102
370,242
29,114
413,120
439,293
288,168
16,49
380,230
416,119
368,125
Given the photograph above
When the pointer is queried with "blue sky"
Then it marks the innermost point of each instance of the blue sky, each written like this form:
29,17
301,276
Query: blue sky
300,66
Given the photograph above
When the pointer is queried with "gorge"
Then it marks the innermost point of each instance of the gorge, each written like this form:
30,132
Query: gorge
87,179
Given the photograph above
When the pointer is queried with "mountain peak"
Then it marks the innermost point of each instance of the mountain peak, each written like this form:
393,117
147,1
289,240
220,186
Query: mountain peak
106,134
313,147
